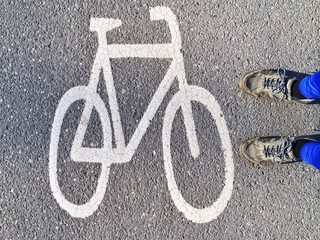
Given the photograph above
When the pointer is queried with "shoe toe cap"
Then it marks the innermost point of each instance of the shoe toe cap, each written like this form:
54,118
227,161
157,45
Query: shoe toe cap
252,151
245,148
251,83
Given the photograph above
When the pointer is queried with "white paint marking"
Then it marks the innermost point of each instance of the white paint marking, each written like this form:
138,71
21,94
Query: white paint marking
207,214
71,96
141,50
121,154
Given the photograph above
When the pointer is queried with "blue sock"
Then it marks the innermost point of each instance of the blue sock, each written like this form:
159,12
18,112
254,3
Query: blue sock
310,86
310,154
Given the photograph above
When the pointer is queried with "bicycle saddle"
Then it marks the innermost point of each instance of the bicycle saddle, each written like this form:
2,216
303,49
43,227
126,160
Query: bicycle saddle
104,24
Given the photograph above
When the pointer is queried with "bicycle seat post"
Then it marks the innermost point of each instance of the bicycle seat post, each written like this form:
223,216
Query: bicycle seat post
102,26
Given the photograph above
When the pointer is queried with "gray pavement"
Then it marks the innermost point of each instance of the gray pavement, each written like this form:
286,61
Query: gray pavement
46,48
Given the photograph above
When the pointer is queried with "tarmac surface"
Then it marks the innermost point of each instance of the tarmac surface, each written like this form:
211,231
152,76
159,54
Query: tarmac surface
47,48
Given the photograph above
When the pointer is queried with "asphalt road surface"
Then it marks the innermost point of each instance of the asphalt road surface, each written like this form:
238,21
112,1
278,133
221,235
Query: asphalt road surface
55,75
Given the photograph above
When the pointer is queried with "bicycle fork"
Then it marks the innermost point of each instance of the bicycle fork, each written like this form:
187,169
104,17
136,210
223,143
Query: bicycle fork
187,112
186,106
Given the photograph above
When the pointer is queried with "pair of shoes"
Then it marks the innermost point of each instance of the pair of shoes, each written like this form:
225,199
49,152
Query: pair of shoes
271,84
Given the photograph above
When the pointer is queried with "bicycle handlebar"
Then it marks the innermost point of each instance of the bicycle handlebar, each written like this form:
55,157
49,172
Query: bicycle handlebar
165,13
103,25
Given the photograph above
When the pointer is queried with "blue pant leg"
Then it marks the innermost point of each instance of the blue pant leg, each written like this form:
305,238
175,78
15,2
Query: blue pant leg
310,86
310,154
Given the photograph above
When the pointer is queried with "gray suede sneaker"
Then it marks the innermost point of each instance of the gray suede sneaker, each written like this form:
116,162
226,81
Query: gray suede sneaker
268,150
272,84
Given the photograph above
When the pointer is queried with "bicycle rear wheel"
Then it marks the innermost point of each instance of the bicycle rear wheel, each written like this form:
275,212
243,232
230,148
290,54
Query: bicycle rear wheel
198,94
93,100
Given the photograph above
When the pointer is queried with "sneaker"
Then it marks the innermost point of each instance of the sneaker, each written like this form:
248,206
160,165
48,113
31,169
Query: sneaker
269,150
272,84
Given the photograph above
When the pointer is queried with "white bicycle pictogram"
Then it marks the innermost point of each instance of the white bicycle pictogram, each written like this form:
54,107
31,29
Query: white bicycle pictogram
122,153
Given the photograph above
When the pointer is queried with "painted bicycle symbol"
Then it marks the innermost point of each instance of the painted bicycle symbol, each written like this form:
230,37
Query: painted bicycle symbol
122,153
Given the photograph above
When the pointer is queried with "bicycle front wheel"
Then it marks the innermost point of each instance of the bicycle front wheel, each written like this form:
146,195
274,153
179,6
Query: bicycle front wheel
92,100
207,214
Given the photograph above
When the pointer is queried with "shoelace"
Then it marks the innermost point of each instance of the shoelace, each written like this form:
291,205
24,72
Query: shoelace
280,152
277,85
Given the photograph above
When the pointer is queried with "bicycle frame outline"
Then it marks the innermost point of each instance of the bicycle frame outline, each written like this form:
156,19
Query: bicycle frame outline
124,153
102,61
